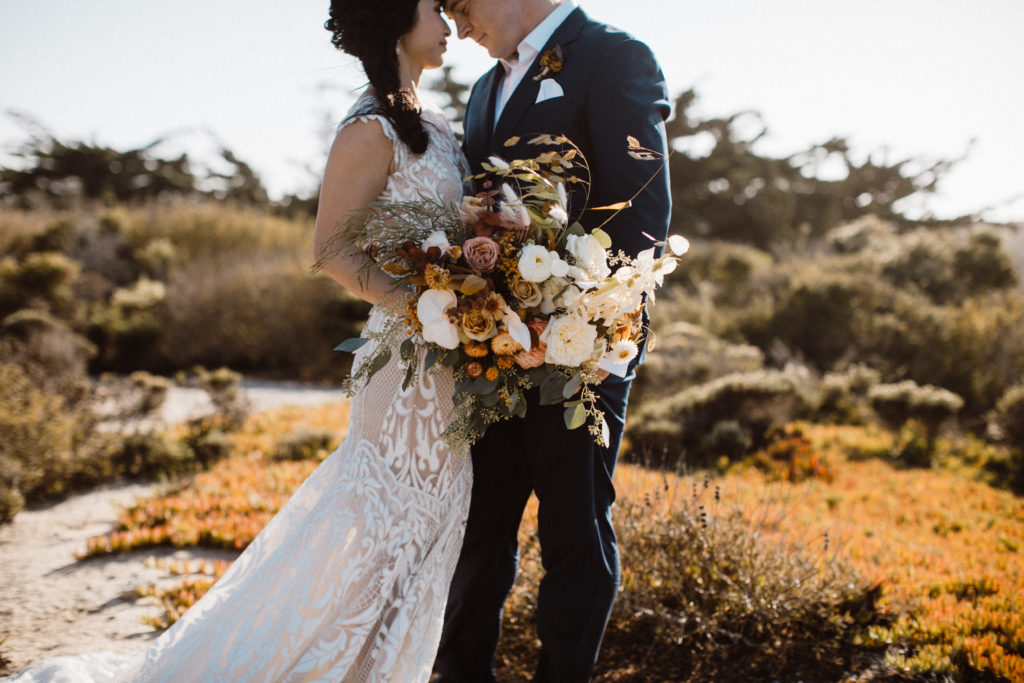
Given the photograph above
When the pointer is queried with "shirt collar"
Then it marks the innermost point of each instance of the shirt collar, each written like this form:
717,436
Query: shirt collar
535,41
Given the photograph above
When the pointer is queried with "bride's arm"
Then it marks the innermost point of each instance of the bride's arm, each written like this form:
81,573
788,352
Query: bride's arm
357,170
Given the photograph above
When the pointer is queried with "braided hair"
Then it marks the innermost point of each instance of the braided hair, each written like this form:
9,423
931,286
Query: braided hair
369,30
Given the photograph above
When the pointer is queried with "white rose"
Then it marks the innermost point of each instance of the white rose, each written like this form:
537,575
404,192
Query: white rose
535,263
436,239
559,268
589,255
431,309
558,293
570,341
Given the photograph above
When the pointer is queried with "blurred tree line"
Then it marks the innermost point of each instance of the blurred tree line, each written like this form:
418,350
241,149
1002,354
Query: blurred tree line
722,187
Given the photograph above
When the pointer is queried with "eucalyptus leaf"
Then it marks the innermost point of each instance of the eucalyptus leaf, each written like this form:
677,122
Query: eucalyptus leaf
351,345
537,375
410,373
490,400
380,361
521,407
575,416
551,389
482,385
575,229
430,358
602,238
513,403
572,386
407,349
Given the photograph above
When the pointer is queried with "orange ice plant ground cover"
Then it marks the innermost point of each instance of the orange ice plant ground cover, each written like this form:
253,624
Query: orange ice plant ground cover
946,548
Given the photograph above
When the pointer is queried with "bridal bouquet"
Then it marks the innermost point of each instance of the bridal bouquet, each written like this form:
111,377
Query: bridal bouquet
507,293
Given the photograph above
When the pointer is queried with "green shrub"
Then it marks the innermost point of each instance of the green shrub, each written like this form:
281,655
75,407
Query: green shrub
923,260
684,355
148,455
979,353
946,265
706,598
843,395
1010,420
1010,416
905,405
676,426
983,265
724,272
36,432
129,326
153,390
306,443
266,316
210,445
860,235
35,336
40,280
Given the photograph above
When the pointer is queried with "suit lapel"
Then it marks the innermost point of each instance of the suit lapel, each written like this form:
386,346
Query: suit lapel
526,92
479,120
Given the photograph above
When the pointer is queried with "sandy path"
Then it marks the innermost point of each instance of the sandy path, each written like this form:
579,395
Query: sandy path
51,604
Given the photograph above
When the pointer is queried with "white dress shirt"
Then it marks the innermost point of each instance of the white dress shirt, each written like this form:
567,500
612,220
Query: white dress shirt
516,68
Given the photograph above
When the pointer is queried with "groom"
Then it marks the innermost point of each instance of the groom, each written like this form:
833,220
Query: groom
561,73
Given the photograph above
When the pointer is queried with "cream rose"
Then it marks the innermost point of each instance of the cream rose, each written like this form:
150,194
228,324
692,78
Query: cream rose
558,293
527,293
589,255
478,326
535,263
570,341
472,208
481,253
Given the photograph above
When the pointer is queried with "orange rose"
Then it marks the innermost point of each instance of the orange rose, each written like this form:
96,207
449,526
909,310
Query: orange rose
534,357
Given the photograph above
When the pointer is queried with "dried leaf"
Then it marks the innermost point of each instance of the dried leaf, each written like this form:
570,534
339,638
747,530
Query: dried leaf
613,207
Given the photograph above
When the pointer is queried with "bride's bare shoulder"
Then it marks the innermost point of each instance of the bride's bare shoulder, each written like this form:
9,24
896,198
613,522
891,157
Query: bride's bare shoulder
362,142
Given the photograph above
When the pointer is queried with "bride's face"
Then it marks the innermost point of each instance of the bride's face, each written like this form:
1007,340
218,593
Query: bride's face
426,43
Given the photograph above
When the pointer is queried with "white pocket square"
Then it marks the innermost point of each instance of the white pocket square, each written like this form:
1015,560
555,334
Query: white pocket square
549,89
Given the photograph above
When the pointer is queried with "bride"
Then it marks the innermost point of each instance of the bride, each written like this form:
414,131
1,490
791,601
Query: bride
349,581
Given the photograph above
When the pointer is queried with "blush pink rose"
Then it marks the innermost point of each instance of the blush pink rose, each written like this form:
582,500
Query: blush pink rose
481,253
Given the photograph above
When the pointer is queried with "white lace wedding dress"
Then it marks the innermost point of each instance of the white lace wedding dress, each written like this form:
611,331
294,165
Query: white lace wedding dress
349,581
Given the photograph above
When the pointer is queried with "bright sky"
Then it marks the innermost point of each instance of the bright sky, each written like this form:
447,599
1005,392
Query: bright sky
914,77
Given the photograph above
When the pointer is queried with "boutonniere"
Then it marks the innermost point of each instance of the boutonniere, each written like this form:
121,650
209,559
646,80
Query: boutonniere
551,62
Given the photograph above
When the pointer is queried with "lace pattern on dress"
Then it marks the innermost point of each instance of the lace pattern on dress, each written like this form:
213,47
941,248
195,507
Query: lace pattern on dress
349,581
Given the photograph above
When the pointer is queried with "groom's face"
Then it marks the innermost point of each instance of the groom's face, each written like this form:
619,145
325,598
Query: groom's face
497,25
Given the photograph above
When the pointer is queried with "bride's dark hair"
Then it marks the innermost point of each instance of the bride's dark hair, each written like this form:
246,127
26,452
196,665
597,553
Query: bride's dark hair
369,30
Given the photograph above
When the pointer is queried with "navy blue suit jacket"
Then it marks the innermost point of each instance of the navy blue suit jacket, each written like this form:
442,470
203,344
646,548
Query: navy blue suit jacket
613,88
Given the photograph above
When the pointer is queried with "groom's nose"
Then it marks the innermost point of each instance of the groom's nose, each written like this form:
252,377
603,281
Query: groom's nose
462,26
